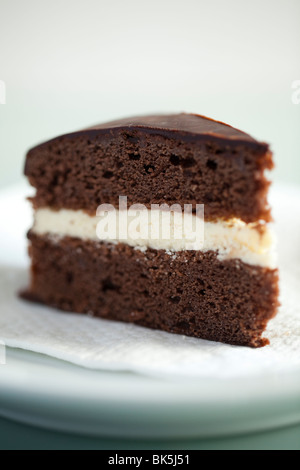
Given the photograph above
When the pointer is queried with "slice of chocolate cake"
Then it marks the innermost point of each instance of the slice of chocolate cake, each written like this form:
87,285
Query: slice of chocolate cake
157,263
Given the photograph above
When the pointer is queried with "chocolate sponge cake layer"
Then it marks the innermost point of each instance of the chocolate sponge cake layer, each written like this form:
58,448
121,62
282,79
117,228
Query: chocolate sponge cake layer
154,160
190,292
222,287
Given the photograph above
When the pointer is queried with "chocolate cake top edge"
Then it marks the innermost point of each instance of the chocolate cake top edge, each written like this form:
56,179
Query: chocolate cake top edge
187,127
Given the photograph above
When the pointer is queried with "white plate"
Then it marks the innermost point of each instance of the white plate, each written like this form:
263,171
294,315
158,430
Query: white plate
43,391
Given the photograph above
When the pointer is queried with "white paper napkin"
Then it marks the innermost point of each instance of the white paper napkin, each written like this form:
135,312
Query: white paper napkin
102,344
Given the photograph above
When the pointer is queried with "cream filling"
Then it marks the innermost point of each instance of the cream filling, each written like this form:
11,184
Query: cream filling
163,230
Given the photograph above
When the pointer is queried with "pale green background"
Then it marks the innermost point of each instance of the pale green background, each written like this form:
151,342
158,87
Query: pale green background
68,64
